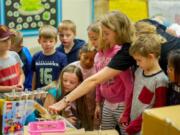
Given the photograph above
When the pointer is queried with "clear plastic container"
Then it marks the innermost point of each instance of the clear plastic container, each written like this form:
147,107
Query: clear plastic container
36,128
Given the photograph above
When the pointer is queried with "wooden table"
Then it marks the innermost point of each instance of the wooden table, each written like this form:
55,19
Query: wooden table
79,132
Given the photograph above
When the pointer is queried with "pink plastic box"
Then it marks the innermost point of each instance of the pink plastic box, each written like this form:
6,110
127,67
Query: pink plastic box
36,128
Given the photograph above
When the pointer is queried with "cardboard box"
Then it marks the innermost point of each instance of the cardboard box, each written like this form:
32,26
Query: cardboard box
161,121
13,115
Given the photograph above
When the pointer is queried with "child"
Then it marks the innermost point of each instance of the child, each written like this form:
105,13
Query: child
174,77
150,86
70,78
24,54
11,73
86,64
114,92
93,34
69,45
48,63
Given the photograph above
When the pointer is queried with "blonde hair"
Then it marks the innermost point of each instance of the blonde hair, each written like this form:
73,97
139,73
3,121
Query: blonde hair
144,28
120,24
146,44
17,37
94,27
67,25
48,31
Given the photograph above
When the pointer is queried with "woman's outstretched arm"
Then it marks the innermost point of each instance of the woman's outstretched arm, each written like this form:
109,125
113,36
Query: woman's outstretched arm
86,86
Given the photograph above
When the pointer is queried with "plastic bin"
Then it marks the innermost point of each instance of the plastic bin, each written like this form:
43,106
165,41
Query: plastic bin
36,128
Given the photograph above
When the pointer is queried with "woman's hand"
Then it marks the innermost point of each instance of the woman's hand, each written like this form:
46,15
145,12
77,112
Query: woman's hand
57,107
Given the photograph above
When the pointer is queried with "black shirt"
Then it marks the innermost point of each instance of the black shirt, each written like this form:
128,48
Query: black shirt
122,60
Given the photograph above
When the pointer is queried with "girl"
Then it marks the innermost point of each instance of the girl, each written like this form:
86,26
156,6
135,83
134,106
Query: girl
93,31
114,92
70,78
174,77
86,64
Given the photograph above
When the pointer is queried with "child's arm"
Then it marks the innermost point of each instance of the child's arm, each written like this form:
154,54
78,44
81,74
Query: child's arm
34,81
20,86
97,113
69,113
125,117
128,80
7,88
134,126
99,97
160,96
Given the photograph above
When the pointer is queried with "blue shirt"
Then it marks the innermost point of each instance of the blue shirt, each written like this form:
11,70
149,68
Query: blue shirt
73,55
47,68
26,58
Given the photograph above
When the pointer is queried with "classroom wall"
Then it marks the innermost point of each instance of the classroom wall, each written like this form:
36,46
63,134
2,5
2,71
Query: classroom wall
79,11
101,7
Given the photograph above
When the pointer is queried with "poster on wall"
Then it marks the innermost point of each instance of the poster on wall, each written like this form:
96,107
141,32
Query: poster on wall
29,15
169,9
134,9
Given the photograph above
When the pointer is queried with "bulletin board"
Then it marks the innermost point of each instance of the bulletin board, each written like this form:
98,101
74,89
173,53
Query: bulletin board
170,9
134,9
28,15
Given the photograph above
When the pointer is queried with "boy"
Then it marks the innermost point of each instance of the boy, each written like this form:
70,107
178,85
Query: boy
150,84
69,45
11,73
24,54
48,63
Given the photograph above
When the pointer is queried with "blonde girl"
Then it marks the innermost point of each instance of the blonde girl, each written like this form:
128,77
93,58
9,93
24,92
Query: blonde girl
114,92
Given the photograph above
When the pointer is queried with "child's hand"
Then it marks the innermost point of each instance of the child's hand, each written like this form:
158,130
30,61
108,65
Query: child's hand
72,120
97,113
124,124
123,121
18,87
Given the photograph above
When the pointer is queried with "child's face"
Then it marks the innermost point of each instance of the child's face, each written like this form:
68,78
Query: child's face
143,62
87,59
170,71
70,81
94,38
109,36
5,45
66,37
47,44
